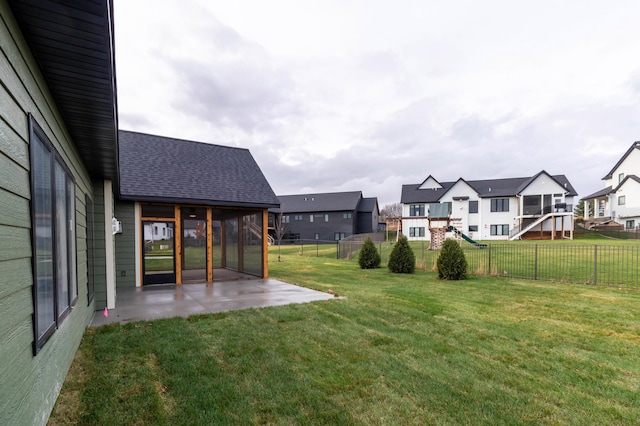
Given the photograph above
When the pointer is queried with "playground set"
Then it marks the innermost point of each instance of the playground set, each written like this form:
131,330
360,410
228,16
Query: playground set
440,220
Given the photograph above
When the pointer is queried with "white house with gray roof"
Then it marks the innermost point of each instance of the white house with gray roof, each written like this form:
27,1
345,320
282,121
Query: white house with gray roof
538,206
619,201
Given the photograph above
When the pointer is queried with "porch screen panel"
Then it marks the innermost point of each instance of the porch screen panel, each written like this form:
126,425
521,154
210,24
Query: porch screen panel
231,243
252,243
217,244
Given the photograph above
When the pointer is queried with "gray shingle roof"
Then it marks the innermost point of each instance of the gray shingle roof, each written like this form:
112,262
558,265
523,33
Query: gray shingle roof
486,188
162,169
368,205
323,202
598,194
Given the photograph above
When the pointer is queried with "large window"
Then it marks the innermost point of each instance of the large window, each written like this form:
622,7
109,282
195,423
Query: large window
630,224
473,206
499,229
416,210
500,205
416,232
55,287
622,200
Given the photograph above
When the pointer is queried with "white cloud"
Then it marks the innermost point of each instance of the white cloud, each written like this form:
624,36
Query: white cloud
368,95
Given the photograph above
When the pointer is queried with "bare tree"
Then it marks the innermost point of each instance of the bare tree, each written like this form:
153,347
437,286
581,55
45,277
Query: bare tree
391,210
280,228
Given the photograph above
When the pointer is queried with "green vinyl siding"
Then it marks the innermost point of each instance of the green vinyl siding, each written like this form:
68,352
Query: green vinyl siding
125,255
99,250
30,384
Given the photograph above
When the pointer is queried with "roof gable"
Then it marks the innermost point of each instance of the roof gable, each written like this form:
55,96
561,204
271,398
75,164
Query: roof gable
458,187
430,183
320,202
634,146
536,183
628,180
157,168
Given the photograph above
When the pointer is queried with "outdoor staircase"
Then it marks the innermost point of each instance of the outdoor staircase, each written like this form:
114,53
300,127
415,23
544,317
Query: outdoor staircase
518,232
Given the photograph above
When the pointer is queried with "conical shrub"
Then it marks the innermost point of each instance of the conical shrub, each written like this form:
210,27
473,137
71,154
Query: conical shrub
452,264
402,260
369,257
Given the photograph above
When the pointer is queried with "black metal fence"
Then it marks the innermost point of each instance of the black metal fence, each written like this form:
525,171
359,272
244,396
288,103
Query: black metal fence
605,265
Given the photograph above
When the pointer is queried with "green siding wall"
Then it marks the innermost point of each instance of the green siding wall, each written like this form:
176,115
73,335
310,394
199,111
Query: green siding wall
125,256
99,251
30,384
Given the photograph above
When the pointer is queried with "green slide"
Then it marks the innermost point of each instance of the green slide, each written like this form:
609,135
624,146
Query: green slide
465,237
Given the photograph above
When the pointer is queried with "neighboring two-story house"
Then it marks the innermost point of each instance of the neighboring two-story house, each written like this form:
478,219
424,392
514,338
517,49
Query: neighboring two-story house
619,201
538,206
326,216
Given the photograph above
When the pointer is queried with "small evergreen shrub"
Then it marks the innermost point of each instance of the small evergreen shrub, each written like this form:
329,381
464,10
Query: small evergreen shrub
402,260
369,257
452,265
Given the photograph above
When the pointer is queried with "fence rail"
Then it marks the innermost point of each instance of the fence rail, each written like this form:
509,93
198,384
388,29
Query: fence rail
605,265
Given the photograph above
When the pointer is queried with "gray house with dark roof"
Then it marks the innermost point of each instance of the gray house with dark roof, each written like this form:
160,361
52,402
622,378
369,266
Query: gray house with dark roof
327,216
538,206
191,209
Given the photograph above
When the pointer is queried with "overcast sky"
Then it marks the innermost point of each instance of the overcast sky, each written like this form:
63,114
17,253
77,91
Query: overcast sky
370,95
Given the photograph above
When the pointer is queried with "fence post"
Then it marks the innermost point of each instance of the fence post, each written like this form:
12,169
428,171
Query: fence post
337,249
535,264
595,264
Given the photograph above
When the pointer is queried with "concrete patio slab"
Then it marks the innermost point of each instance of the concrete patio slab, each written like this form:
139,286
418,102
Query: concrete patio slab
170,300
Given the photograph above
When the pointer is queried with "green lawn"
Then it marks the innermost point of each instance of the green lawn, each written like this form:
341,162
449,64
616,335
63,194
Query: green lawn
396,349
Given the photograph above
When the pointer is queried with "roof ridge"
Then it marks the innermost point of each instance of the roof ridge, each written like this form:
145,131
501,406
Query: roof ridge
174,139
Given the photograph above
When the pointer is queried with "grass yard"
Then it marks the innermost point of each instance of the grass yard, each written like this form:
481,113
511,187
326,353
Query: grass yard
396,349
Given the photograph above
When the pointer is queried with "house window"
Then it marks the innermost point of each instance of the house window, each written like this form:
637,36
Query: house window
316,236
620,178
630,224
416,232
338,236
55,287
500,205
499,229
297,217
473,228
622,200
346,215
285,219
473,206
326,218
310,218
416,210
